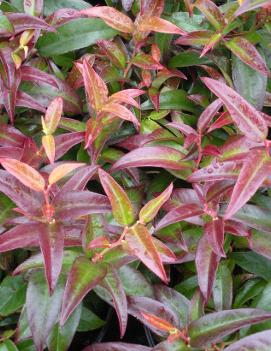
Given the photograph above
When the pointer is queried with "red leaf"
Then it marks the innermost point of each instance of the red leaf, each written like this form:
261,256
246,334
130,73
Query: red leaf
25,100
255,169
146,62
32,74
53,115
214,231
157,24
206,263
215,171
62,170
112,17
79,180
22,22
247,53
51,239
151,7
157,156
64,142
83,277
141,244
95,87
208,114
179,214
113,285
212,13
248,5
115,346
24,173
121,112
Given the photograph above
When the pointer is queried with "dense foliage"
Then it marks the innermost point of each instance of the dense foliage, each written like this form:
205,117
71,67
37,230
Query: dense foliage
135,175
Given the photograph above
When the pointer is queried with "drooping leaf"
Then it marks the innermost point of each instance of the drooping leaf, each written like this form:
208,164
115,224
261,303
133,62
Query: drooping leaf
142,246
122,207
83,277
206,263
246,117
254,171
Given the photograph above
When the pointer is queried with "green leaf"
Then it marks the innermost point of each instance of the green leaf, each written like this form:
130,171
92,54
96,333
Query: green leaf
172,99
74,35
222,290
60,338
5,24
51,6
42,309
83,277
213,327
8,345
122,207
248,291
12,295
253,263
249,83
187,23
89,321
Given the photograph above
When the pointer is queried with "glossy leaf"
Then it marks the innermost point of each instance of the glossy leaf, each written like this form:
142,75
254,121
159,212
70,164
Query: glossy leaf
215,326
150,210
62,170
160,25
24,173
141,245
53,115
112,17
83,277
214,230
212,13
246,117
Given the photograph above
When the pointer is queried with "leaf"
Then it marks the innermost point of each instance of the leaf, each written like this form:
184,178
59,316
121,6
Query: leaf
12,295
42,309
24,173
122,207
51,239
179,214
8,345
248,5
83,277
141,244
223,288
208,114
206,263
95,87
246,117
160,25
80,179
113,285
157,156
212,13
159,323
62,170
215,326
89,321
75,204
76,34
171,99
53,115
146,61
22,22
48,143
250,84
150,210
112,18
121,112
253,172
60,338
51,6
116,346
261,243
187,59
216,171
259,341
247,53
214,231
34,7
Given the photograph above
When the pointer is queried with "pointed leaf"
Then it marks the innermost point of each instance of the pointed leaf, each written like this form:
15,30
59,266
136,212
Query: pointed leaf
212,13
247,53
248,5
157,156
157,24
22,21
112,18
215,326
79,180
83,277
208,114
150,210
53,115
48,143
121,112
146,62
24,173
113,285
159,323
255,169
206,263
51,239
179,214
246,117
215,172
141,244
62,170
122,207
214,230
223,288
